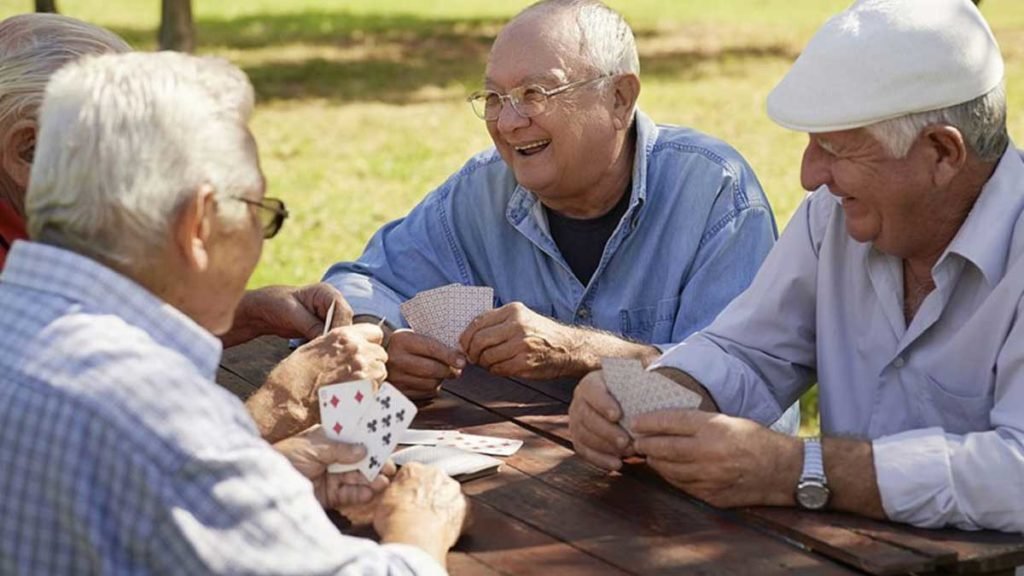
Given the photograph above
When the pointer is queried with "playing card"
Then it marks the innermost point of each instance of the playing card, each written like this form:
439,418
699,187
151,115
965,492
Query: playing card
639,391
451,460
483,444
426,437
342,406
382,426
444,313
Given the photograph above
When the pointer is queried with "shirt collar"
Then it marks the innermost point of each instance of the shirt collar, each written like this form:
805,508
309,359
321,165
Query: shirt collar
99,289
522,201
985,237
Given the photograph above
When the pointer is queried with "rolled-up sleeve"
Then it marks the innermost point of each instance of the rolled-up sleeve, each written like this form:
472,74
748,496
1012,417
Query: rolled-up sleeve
757,357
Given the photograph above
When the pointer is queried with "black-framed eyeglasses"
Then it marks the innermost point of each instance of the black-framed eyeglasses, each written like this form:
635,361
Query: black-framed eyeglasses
528,101
272,214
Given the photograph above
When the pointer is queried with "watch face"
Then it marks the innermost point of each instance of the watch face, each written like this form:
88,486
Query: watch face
812,495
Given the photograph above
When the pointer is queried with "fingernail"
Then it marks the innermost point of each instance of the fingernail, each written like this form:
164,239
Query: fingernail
621,442
460,362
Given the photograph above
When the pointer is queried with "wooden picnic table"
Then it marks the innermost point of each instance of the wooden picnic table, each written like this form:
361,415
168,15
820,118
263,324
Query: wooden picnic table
548,511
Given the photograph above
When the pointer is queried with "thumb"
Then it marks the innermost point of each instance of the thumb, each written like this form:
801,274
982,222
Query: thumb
339,453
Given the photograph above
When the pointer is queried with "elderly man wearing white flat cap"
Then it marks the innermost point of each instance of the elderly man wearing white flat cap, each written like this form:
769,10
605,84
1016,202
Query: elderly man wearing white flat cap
897,287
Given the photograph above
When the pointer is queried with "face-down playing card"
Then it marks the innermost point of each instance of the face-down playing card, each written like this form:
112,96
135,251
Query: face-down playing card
444,313
639,391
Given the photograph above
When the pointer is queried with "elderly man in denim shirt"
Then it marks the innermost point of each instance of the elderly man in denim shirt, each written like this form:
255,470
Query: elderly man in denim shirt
602,233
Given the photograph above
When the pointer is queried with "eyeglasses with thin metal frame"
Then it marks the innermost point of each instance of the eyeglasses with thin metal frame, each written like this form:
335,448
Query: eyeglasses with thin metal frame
528,101
272,214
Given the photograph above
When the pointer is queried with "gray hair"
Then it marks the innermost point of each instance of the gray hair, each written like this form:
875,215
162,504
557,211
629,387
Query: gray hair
32,48
126,140
606,40
982,121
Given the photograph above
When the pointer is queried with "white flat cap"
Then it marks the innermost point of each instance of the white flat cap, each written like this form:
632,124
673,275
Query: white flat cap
882,59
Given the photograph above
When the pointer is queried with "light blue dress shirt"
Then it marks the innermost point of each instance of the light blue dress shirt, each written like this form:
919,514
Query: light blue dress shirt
942,399
120,455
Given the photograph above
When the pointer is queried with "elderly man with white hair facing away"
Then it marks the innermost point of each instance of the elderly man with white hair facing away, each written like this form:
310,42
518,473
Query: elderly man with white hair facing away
32,48
120,454
897,287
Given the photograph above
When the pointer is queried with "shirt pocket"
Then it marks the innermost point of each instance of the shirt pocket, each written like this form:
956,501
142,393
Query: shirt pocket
650,324
956,410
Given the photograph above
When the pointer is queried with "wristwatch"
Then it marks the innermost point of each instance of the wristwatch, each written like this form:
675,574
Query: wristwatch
812,491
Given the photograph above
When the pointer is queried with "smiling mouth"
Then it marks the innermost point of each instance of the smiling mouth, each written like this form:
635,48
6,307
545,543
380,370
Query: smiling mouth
531,148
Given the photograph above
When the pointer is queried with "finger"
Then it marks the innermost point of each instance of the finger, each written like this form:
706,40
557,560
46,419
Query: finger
419,366
600,433
388,471
350,494
676,472
670,423
597,458
502,352
487,338
483,321
682,449
329,452
420,345
369,332
414,385
595,393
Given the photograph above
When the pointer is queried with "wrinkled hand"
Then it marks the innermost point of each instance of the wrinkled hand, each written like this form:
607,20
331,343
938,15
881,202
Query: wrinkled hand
594,418
311,452
286,403
722,460
422,504
417,364
287,311
516,341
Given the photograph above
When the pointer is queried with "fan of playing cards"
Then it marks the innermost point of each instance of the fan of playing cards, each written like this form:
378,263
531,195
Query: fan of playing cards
444,313
356,412
639,391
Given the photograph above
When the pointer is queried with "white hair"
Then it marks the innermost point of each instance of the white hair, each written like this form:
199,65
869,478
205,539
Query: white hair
606,40
32,48
126,140
982,121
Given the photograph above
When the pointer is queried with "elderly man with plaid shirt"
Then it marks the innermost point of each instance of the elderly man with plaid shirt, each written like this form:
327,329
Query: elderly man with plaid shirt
118,452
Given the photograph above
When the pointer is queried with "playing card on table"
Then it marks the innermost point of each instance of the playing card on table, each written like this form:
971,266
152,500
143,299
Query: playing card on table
426,437
382,426
341,407
639,391
484,444
451,460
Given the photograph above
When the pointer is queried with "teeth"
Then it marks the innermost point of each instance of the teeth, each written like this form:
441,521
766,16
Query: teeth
532,146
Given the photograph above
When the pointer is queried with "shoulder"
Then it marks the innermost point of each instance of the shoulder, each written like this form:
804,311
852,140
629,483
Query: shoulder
685,155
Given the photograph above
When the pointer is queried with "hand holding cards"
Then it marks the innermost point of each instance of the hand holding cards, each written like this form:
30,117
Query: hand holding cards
638,391
355,412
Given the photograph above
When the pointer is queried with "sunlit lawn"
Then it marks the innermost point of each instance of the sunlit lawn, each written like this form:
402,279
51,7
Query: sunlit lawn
361,107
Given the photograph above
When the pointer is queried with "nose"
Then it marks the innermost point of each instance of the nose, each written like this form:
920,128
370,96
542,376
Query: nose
509,119
815,168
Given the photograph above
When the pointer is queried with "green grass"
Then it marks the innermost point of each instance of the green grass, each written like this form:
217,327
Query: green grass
360,102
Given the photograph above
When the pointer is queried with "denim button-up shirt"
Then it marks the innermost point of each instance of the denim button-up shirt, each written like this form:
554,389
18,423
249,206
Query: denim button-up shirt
942,398
696,230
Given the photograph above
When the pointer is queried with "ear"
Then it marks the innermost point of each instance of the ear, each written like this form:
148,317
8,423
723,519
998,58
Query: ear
17,149
948,152
627,90
193,228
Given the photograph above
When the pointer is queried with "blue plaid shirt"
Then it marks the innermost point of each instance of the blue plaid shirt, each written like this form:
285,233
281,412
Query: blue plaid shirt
119,454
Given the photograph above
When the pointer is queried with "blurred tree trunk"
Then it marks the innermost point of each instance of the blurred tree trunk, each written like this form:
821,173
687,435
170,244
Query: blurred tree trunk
176,29
46,6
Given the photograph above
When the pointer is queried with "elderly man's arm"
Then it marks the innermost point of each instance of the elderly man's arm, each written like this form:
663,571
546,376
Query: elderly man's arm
287,311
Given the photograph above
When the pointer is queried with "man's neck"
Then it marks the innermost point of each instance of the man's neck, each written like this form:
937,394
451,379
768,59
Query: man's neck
606,193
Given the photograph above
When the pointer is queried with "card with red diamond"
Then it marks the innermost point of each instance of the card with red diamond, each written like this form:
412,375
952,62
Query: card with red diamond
342,406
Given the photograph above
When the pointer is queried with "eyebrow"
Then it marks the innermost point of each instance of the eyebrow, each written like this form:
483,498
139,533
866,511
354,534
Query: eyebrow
531,79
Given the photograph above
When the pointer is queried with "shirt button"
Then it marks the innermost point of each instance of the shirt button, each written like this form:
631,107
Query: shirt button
583,313
898,362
